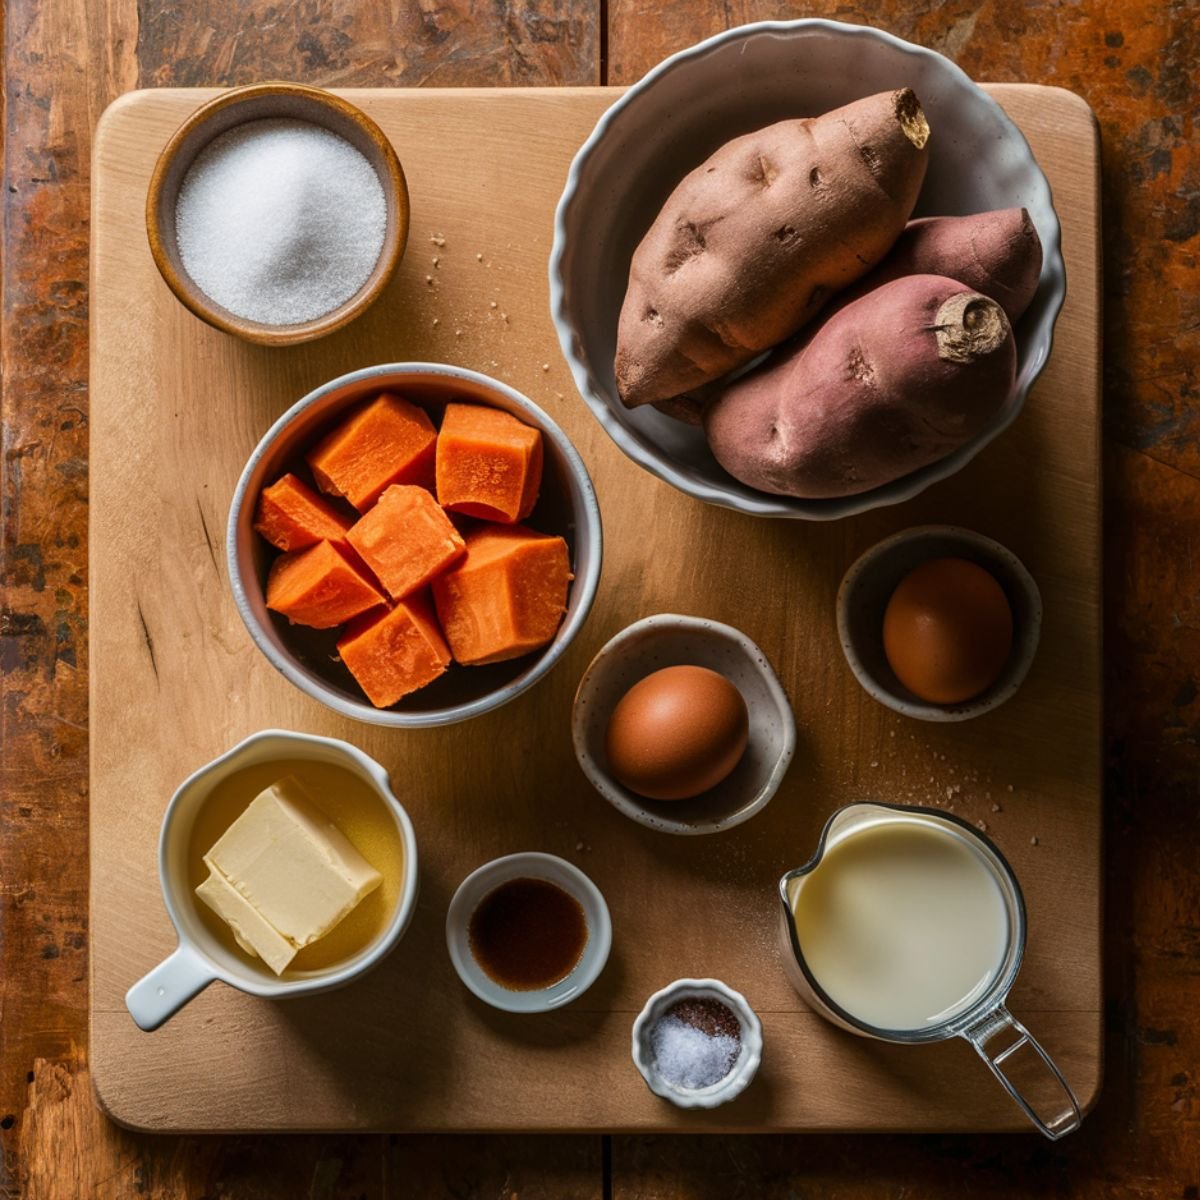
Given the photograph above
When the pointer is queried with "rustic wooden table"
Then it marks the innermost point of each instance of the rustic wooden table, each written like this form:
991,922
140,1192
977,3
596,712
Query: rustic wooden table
64,60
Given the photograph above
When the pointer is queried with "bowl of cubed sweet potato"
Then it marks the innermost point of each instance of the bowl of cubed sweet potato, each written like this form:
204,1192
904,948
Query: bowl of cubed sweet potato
414,544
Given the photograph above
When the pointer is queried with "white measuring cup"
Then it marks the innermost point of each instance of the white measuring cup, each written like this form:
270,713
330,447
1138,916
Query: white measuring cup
200,957
1004,1044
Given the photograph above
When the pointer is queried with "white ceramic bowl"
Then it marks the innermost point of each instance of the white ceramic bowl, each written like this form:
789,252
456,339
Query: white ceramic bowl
668,640
748,1060
731,84
868,585
308,657
200,958
528,865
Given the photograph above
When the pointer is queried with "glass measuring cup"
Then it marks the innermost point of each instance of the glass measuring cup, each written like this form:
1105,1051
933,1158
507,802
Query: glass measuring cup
1005,1045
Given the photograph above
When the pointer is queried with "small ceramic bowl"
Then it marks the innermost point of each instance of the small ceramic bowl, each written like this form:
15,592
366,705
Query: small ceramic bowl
868,585
308,657
671,120
262,101
528,865
200,958
744,1068
668,640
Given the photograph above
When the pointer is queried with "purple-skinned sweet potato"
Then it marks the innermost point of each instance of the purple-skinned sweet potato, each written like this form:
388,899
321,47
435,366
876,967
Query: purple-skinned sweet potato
888,384
752,243
997,253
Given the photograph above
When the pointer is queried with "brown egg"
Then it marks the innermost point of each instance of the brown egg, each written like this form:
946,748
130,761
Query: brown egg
677,733
947,631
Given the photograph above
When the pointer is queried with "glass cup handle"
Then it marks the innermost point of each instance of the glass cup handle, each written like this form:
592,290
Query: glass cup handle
997,1037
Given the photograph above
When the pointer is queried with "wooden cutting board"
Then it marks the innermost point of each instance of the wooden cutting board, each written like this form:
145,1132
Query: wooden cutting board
175,410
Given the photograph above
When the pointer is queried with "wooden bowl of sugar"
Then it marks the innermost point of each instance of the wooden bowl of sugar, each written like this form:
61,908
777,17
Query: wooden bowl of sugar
277,212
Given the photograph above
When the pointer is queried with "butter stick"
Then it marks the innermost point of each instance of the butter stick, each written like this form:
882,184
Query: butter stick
284,874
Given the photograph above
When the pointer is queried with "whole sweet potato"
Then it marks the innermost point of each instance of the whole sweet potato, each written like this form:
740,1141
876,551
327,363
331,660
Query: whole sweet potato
751,244
997,253
890,383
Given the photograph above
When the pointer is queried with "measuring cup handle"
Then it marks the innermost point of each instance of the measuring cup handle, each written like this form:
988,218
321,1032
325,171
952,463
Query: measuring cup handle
997,1037
165,990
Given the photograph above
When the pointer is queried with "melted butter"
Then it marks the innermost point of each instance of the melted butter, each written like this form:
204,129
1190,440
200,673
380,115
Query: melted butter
355,808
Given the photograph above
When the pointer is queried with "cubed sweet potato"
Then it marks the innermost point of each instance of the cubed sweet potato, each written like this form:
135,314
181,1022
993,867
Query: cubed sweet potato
387,441
319,586
751,244
290,515
406,539
885,386
489,463
507,597
395,652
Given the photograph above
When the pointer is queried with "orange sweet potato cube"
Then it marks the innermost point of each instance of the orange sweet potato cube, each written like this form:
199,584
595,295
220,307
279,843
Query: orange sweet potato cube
506,597
396,652
319,586
291,515
489,464
387,441
406,539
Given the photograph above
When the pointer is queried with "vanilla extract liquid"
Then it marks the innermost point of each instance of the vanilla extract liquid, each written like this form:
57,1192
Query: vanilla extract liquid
527,934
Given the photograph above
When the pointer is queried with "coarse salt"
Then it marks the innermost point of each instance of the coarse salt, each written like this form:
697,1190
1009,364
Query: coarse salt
688,1057
280,221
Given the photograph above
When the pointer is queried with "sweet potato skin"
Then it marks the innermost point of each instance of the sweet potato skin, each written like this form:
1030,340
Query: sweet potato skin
889,384
751,244
997,253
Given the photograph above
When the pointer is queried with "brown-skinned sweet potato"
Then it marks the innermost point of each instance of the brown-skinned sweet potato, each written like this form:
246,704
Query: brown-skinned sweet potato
890,383
751,244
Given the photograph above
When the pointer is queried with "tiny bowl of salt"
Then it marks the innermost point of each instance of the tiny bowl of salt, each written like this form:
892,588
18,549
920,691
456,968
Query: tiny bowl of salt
277,212
697,1043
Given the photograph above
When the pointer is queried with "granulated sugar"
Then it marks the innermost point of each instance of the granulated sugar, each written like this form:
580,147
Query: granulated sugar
280,221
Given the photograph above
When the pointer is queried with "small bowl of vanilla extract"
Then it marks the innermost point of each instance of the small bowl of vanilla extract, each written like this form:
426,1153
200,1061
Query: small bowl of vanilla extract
528,932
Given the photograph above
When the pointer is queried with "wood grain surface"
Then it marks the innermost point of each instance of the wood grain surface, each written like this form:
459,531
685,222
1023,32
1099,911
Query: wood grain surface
177,409
64,60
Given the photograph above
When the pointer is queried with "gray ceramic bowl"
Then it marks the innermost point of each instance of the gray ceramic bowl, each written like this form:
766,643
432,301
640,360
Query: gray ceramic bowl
731,84
668,640
307,657
868,586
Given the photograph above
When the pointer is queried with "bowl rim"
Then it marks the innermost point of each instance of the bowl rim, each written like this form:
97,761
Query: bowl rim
1025,644
764,504
623,800
198,302
592,959
586,514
